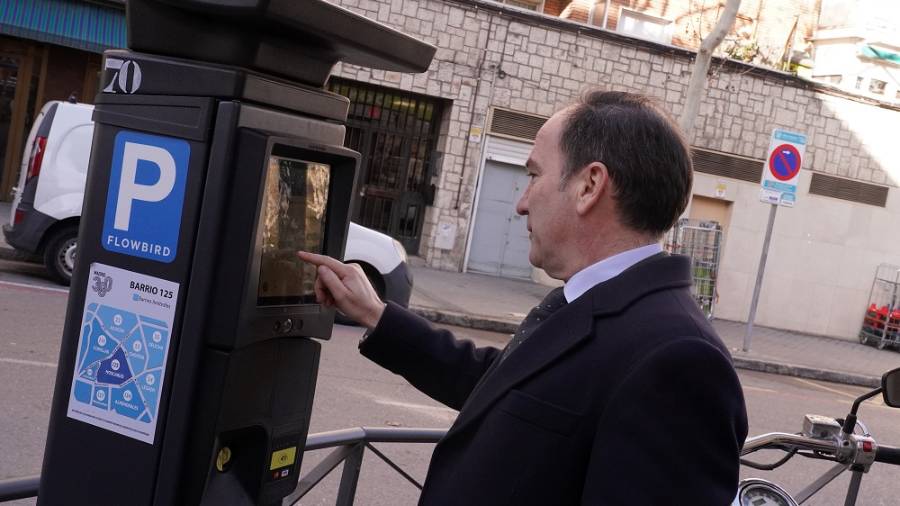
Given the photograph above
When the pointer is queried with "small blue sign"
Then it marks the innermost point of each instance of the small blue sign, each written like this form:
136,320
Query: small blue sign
784,135
146,195
781,187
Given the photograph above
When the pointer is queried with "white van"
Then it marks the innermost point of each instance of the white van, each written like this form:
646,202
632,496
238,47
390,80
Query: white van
47,205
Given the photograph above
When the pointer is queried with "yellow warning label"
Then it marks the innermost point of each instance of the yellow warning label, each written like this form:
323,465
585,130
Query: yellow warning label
283,458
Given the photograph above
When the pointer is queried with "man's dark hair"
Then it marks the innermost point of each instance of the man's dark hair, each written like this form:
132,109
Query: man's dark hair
647,157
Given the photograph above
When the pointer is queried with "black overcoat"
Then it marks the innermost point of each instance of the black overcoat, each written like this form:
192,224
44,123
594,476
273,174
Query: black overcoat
625,396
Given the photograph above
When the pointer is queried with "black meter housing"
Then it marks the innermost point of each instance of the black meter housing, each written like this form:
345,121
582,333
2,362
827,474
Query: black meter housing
190,352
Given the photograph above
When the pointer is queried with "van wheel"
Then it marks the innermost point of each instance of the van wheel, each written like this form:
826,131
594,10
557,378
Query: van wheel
59,255
377,283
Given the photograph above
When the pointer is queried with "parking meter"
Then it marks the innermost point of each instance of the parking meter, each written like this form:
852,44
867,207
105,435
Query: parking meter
189,357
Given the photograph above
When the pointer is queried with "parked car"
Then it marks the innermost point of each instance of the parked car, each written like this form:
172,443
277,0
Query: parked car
48,197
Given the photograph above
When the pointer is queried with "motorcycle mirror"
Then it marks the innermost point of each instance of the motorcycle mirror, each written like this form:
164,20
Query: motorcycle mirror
890,388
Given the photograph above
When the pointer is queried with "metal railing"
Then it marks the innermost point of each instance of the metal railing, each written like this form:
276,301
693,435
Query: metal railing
349,447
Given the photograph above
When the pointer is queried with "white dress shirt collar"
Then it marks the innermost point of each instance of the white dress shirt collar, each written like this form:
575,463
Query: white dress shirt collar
606,269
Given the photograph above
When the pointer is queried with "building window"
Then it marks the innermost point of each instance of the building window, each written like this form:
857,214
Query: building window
645,26
859,82
395,132
832,79
877,86
532,5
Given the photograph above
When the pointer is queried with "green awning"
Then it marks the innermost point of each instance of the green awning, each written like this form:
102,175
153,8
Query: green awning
880,54
71,23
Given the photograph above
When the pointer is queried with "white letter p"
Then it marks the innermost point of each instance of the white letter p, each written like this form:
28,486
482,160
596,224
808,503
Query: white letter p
129,190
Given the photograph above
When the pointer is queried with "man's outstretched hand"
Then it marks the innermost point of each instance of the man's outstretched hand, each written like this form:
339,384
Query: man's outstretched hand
346,287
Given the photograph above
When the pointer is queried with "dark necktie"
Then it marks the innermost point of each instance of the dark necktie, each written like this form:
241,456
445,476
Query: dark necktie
553,301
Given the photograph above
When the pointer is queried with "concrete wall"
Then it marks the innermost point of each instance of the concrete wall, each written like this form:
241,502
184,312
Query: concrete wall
490,55
821,263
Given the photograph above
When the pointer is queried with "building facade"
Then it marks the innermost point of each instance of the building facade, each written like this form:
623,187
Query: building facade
857,47
49,50
765,32
500,71
443,151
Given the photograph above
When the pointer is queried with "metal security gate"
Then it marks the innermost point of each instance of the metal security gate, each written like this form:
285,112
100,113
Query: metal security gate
395,132
702,242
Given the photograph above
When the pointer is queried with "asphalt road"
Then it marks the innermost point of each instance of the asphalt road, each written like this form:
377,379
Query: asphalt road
353,392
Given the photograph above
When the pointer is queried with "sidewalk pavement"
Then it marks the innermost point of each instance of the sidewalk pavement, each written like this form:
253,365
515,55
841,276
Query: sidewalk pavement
498,304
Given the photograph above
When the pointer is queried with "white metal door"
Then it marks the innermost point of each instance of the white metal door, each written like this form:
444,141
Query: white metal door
500,237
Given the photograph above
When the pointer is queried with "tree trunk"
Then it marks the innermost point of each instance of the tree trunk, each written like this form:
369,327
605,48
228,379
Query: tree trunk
696,88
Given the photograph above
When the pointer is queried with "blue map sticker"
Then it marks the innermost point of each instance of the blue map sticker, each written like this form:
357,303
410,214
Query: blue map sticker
123,348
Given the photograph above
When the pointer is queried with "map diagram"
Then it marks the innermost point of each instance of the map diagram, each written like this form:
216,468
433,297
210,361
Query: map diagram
124,339
120,362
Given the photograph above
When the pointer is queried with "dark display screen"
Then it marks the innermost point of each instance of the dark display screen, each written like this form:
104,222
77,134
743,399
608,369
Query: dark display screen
294,202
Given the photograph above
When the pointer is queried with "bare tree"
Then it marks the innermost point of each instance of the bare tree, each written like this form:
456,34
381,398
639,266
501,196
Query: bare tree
697,86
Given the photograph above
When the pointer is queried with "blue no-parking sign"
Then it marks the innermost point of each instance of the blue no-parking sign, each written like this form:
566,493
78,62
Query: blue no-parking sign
145,197
782,170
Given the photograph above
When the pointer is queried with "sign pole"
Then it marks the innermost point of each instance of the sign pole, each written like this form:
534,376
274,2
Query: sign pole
759,277
780,177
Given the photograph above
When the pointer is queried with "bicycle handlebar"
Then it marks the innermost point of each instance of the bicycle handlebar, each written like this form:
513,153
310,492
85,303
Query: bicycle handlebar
784,440
888,455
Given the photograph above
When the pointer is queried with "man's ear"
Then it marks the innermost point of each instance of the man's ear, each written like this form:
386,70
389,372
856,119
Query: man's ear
592,185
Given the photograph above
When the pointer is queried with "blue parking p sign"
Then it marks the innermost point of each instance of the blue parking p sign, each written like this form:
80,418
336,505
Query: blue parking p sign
146,195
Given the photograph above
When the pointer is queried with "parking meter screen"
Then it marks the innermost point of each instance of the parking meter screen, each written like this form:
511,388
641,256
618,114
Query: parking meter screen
294,201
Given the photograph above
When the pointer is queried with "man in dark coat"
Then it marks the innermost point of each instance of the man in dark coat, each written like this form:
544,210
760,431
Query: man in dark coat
615,389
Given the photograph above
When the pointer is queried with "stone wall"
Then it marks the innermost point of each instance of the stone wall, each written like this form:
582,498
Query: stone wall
492,55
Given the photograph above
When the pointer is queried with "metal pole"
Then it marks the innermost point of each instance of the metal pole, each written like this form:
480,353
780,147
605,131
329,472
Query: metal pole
853,489
759,277
820,482
350,476
19,488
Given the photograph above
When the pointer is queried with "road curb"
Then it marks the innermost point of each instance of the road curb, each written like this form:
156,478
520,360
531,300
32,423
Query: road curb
466,320
800,371
481,322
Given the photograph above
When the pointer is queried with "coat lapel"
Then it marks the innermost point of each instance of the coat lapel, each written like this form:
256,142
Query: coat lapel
570,326
562,331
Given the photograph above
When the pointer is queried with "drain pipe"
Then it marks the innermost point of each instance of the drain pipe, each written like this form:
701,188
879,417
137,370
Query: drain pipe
479,71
